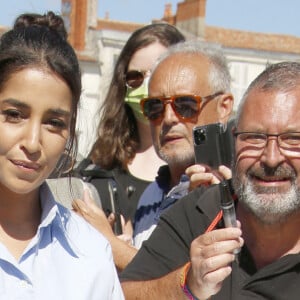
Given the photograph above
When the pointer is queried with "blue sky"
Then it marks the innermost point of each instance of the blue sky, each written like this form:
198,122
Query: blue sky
270,16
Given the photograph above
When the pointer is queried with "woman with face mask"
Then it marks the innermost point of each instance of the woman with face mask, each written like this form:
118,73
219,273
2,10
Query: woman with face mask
124,144
123,153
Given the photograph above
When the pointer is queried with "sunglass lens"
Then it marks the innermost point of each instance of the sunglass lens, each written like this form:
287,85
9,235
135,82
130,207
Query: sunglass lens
134,79
186,106
153,108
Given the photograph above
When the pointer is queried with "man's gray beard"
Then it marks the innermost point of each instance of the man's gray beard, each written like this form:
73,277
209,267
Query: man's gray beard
185,159
267,204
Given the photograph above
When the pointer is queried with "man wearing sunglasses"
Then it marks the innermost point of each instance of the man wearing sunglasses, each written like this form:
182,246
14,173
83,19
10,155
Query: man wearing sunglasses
189,86
184,260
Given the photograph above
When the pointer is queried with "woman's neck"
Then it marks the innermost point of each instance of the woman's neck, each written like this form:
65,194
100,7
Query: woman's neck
144,136
20,217
145,164
20,214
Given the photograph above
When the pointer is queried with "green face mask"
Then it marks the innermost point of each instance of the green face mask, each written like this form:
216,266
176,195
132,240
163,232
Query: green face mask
133,98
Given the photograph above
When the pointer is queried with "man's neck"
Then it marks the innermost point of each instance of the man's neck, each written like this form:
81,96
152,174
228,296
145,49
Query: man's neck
176,173
268,243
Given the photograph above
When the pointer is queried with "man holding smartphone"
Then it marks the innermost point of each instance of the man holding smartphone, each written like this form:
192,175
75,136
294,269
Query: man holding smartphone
189,86
184,260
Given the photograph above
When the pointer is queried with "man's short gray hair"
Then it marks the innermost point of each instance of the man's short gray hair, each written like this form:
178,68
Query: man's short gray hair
219,76
280,77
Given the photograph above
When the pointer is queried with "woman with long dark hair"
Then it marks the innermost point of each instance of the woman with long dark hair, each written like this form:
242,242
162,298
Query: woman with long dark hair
44,248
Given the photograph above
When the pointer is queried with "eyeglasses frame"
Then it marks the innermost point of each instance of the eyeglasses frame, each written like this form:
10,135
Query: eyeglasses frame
283,148
170,100
139,71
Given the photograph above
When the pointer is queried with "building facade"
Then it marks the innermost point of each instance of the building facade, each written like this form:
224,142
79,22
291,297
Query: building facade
98,43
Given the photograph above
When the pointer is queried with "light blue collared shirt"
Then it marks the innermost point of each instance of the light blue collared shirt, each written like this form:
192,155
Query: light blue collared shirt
67,259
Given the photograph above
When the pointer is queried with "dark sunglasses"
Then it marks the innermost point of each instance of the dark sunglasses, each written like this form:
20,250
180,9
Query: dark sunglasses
186,107
134,78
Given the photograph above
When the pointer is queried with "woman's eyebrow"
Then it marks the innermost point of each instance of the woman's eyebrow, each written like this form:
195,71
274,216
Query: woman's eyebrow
15,102
18,103
60,112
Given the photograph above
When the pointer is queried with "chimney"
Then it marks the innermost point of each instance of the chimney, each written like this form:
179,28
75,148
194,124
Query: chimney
168,15
168,10
190,17
74,13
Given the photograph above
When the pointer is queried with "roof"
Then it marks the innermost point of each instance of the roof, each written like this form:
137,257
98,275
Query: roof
253,40
230,38
117,25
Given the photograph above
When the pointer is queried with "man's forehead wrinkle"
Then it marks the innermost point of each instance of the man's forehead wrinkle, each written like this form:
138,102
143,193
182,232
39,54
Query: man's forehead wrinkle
181,73
176,79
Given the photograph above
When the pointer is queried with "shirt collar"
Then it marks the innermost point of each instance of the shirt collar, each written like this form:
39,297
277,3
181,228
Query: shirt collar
163,177
54,214
208,200
51,211
163,180
181,189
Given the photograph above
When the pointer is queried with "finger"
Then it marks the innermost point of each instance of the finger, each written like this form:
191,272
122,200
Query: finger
128,228
212,264
215,178
198,179
230,233
79,206
87,198
122,221
218,176
215,249
75,207
225,171
194,169
111,219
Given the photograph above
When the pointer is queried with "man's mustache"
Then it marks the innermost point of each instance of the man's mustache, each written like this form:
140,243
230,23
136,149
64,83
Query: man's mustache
279,172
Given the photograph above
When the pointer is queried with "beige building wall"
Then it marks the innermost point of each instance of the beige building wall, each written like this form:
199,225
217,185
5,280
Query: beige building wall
99,42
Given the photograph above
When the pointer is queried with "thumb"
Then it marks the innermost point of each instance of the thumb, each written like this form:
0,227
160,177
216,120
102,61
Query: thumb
86,197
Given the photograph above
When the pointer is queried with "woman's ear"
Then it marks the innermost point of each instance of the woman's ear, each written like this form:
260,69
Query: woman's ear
225,107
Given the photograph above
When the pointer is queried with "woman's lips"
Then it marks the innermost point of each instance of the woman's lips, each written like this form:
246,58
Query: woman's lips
26,164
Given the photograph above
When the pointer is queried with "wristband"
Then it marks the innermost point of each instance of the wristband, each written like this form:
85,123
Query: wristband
183,283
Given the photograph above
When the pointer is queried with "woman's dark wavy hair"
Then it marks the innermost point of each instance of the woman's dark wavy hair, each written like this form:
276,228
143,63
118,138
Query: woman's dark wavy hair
118,139
41,41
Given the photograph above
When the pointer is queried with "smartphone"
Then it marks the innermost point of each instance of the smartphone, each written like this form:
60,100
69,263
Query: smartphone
213,145
114,202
